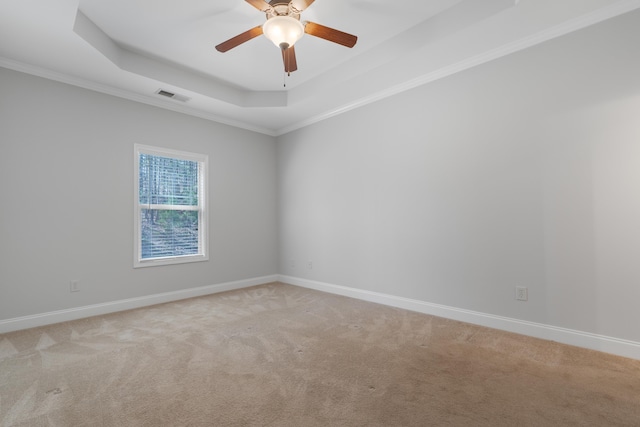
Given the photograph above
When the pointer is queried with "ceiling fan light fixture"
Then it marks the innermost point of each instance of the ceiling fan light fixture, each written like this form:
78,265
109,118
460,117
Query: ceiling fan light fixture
283,31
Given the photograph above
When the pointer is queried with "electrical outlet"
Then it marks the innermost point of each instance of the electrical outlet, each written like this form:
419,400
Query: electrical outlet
310,265
522,293
74,286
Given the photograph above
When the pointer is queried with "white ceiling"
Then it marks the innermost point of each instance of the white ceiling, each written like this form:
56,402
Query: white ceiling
132,48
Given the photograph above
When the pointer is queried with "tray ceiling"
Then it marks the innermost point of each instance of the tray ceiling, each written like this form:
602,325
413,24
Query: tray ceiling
133,48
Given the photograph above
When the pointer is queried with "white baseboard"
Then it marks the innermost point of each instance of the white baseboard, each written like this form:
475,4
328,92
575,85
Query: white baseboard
58,316
588,340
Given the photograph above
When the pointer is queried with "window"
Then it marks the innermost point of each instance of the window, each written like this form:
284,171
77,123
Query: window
170,207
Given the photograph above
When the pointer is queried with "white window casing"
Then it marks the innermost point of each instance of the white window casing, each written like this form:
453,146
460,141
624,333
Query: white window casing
170,206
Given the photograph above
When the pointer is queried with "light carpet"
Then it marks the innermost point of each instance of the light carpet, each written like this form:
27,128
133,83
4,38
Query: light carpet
279,355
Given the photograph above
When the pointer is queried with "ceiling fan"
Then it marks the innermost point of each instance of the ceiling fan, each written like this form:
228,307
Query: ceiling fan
284,29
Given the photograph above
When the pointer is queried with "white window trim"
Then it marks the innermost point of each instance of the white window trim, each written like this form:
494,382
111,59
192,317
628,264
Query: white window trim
203,225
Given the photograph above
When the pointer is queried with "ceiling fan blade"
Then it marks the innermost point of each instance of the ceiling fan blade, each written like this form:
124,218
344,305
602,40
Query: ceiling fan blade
239,39
261,5
301,5
289,59
330,34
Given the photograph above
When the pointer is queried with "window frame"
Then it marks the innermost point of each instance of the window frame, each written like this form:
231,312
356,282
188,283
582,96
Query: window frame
202,207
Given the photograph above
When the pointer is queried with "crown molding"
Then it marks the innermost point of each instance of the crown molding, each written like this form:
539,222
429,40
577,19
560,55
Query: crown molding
570,26
131,96
613,10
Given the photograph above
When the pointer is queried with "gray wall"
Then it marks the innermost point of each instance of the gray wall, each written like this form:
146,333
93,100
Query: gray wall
521,172
66,195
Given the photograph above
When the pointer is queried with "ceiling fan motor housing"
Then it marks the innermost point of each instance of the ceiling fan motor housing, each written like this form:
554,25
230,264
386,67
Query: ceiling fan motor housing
282,8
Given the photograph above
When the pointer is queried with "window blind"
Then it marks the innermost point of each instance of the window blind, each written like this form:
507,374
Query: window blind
169,206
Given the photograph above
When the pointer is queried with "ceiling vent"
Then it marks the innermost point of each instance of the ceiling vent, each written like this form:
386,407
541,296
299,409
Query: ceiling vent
172,95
